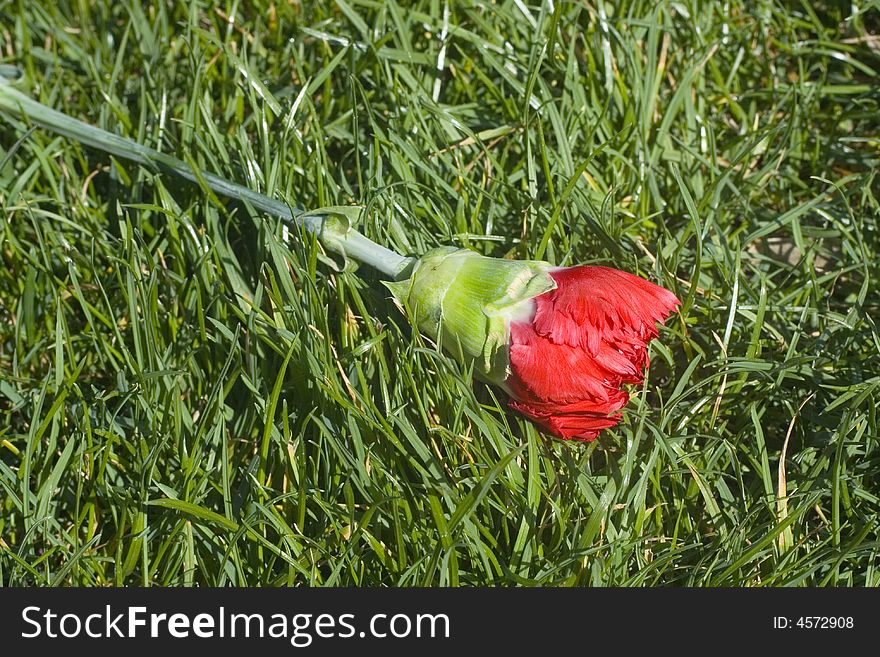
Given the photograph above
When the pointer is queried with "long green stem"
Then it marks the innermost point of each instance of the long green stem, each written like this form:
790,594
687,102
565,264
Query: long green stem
347,241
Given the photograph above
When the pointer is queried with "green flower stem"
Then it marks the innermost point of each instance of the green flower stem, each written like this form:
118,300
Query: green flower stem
342,239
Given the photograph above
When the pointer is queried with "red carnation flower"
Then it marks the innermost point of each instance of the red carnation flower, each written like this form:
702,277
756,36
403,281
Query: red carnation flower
587,338
561,341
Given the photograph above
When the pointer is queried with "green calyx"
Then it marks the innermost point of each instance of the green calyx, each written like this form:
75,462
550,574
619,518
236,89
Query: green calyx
466,302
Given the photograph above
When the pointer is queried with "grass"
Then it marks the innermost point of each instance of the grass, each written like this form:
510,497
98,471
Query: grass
187,399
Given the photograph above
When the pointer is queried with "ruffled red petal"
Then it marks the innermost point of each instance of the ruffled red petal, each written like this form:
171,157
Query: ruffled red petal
588,337
583,425
591,305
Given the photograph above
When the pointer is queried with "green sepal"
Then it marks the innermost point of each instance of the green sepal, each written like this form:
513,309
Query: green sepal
399,289
465,302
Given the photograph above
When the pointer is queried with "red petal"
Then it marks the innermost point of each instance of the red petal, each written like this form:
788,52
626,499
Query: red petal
575,421
595,304
543,370
588,337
